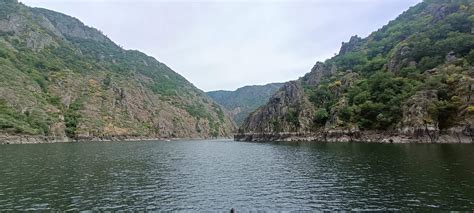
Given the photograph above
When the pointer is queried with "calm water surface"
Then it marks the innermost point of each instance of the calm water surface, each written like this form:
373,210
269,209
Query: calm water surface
220,175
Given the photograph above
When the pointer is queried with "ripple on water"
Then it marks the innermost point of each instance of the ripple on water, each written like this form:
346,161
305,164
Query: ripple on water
219,175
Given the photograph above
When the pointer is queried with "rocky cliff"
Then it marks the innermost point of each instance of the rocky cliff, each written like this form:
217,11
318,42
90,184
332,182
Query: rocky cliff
62,80
410,81
243,101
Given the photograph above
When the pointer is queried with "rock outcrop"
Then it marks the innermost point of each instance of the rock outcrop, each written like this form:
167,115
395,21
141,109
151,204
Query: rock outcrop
410,81
417,120
318,71
399,58
354,44
245,100
288,110
64,81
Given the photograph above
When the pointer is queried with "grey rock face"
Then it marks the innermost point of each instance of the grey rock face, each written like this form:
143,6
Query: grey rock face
422,118
438,12
14,23
44,22
37,41
245,100
127,106
417,120
318,71
273,117
451,57
398,60
71,27
353,44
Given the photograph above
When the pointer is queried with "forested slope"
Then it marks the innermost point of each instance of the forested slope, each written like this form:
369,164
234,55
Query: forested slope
411,80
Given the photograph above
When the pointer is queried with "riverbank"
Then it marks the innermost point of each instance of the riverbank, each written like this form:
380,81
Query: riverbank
453,136
39,139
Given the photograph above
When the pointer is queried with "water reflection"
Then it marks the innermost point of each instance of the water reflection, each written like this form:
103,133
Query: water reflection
219,175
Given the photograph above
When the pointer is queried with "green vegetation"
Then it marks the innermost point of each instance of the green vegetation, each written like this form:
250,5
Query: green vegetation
7,7
220,113
71,118
12,121
394,63
320,117
165,88
47,65
376,102
245,100
293,118
197,111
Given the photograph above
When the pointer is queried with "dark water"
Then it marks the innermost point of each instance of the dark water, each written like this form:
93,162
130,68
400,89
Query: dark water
220,175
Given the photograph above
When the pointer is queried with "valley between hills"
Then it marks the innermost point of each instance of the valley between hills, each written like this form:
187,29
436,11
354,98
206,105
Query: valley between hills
412,80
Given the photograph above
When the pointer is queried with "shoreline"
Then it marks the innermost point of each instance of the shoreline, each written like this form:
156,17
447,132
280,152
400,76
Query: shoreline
357,137
39,139
326,137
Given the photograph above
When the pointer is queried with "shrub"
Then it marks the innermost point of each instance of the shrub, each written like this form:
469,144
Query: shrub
71,118
321,116
292,117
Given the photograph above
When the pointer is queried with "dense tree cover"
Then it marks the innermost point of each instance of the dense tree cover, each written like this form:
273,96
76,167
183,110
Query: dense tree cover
394,63
376,102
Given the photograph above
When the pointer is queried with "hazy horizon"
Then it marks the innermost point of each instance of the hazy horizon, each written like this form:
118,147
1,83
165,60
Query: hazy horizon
225,45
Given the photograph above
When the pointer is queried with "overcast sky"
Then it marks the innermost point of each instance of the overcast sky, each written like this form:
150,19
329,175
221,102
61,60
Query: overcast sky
229,44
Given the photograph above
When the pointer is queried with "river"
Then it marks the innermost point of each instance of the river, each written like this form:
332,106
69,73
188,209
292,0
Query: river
222,174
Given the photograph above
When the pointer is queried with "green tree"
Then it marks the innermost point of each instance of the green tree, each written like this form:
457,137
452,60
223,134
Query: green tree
321,116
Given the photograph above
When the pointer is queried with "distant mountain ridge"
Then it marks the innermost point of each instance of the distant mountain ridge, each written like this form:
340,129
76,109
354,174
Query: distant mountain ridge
410,81
241,102
62,80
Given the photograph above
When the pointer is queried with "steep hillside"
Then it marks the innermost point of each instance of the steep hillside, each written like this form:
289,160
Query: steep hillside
241,102
410,81
62,80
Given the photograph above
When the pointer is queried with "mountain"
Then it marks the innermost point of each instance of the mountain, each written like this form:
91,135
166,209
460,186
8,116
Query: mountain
410,81
241,102
62,80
